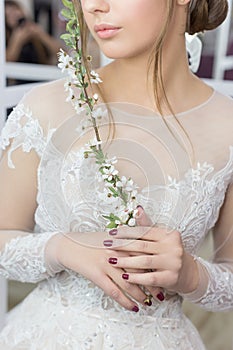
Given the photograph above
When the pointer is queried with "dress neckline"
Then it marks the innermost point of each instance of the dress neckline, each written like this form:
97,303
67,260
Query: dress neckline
116,106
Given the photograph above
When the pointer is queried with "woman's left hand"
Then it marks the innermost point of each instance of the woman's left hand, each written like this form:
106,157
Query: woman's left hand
158,251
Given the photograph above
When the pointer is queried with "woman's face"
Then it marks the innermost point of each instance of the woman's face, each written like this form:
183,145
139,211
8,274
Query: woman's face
13,14
125,28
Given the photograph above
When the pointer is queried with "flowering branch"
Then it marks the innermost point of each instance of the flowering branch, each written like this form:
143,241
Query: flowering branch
123,191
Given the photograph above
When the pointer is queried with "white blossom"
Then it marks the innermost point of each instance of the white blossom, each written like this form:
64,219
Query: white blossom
97,113
65,61
109,172
132,222
95,78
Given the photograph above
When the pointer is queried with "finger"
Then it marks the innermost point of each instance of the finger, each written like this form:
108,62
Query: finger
114,292
142,219
137,246
131,290
152,279
152,233
157,293
144,262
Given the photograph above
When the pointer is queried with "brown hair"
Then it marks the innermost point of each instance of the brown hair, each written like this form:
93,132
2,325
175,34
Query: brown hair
206,15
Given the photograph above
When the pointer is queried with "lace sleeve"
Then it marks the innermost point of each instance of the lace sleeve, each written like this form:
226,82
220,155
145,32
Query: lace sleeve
215,288
23,257
27,259
22,130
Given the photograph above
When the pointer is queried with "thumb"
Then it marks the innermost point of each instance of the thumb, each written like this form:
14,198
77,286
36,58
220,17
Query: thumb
142,218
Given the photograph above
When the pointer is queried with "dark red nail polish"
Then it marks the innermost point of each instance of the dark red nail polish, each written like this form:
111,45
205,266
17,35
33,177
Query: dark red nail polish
139,206
125,276
113,232
160,296
135,309
112,261
108,243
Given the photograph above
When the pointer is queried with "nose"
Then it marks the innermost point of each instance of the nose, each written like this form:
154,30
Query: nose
95,6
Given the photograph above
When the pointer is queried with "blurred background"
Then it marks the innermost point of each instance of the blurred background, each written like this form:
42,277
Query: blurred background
30,31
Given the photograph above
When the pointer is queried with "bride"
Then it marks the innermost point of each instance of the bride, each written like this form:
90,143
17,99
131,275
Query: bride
171,135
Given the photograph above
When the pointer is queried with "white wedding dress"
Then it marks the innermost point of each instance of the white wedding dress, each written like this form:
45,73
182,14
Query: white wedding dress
66,311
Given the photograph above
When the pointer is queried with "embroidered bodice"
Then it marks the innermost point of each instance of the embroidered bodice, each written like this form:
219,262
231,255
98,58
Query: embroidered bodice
181,189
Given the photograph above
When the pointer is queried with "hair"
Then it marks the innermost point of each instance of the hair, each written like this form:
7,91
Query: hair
206,15
201,15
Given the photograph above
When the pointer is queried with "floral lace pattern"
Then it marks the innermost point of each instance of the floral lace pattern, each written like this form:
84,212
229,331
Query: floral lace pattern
72,313
24,131
218,296
23,258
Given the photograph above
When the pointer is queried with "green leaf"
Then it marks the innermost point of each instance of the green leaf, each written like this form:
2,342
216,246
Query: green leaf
66,36
106,217
113,191
70,26
68,4
111,225
68,14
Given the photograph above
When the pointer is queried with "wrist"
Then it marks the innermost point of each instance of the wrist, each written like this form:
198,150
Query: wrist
189,276
52,261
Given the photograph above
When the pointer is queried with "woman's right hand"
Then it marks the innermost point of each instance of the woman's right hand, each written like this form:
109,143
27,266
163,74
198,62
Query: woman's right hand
84,253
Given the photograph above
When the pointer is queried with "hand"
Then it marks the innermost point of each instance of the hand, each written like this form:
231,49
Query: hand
84,254
21,35
159,252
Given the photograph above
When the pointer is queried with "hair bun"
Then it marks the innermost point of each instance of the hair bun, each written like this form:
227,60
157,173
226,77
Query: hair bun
207,15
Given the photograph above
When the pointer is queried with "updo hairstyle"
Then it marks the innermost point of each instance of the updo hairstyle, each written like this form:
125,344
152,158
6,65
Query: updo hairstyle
206,15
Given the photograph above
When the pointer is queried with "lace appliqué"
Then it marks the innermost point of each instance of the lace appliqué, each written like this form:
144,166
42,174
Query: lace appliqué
191,205
23,258
218,296
24,131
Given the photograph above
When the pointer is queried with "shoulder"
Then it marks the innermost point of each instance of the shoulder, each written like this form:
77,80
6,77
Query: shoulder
31,122
47,103
223,103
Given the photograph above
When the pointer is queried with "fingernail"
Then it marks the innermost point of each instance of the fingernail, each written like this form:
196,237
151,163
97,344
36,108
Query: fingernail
112,261
139,206
113,232
125,276
160,296
108,243
135,308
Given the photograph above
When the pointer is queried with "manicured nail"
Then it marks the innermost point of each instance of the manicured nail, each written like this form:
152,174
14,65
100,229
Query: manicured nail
139,206
135,309
108,243
112,261
125,276
113,232
160,296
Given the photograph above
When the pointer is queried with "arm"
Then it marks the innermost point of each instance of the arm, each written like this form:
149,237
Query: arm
50,43
214,290
32,257
22,254
18,39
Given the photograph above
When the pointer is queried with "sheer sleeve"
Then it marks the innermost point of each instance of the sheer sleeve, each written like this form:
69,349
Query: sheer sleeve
28,259
24,256
215,289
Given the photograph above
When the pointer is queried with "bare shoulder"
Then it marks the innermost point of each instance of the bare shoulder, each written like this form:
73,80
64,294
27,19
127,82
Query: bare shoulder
48,104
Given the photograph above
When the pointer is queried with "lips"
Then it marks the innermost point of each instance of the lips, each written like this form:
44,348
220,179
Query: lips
106,31
103,27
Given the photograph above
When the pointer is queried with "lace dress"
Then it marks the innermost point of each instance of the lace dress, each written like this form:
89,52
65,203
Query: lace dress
66,311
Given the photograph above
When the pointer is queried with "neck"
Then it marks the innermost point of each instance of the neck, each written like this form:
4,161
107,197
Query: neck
131,80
